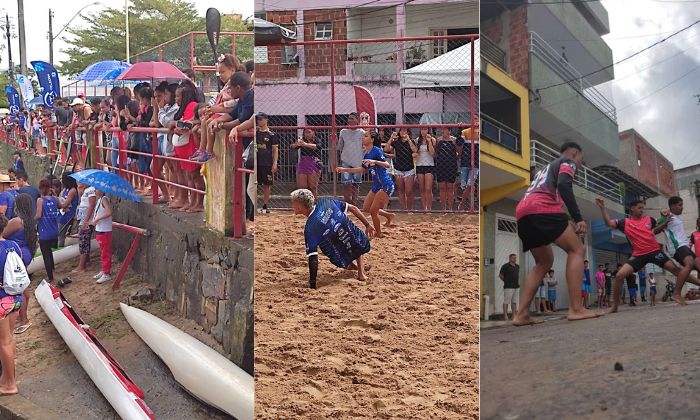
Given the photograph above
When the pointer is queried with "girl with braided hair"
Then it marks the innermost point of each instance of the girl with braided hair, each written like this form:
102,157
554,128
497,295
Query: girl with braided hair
22,230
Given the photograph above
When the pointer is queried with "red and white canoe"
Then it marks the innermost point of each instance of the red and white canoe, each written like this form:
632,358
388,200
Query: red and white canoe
99,364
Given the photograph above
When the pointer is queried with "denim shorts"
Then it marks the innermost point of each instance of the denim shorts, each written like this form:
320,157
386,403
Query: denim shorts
349,177
464,180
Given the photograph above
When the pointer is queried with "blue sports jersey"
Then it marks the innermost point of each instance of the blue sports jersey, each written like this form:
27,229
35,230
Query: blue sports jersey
380,177
8,199
329,228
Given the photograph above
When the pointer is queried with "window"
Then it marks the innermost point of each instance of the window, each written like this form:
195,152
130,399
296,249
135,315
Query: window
439,45
324,30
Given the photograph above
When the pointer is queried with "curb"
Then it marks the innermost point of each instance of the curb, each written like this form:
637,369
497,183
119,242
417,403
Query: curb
19,408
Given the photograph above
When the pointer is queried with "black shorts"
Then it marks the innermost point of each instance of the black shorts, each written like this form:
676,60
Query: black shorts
264,174
682,253
536,230
659,258
445,175
425,169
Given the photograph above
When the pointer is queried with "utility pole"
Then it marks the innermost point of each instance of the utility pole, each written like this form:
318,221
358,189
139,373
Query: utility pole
51,37
22,38
10,72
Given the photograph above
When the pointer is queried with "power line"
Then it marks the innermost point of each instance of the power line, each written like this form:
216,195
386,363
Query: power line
624,59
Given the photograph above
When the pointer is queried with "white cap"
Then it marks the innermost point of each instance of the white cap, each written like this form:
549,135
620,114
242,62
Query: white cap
77,101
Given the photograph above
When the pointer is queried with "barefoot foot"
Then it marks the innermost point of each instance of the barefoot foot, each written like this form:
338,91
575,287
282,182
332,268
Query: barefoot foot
678,299
583,314
519,320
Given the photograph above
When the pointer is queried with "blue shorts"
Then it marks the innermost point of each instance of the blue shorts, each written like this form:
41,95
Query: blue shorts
552,294
633,292
464,172
586,288
652,291
387,188
349,177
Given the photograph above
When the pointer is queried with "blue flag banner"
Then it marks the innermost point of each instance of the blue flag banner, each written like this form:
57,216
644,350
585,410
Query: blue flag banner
48,81
13,100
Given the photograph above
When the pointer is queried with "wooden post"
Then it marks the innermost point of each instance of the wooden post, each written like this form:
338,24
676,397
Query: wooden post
220,187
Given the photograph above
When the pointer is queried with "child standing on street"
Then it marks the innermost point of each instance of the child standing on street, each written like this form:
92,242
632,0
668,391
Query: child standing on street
600,281
652,289
102,223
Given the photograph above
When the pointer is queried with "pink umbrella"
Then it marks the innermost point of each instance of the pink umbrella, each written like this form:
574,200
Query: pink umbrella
152,70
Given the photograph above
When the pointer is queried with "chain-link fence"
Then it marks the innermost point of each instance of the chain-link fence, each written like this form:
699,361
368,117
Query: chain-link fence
420,95
192,50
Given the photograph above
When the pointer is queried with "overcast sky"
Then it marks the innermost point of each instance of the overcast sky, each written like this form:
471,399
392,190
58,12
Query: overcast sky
37,22
670,118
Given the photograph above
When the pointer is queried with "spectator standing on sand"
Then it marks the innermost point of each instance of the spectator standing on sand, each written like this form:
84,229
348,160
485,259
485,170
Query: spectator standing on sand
351,155
102,224
552,290
22,230
267,149
338,237
26,188
8,304
86,208
425,167
18,165
541,297
510,275
632,286
446,167
47,225
404,150
309,164
600,282
608,283
68,204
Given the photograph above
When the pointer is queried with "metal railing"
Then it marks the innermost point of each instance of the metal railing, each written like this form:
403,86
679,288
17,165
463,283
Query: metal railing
497,132
568,73
587,178
492,52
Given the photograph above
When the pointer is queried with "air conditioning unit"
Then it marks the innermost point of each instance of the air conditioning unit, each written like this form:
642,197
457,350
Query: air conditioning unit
290,55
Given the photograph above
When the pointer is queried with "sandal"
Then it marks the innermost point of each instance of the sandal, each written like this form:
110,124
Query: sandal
23,328
64,281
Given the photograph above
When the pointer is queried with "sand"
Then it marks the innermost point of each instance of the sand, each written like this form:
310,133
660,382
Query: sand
405,344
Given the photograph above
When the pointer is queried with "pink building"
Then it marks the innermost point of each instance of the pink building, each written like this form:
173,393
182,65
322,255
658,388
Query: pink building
301,74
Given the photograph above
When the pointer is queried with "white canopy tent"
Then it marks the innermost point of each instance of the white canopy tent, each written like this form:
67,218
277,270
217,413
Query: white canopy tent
452,69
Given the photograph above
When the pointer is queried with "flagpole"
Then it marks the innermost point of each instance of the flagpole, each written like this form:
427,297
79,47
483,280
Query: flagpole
126,12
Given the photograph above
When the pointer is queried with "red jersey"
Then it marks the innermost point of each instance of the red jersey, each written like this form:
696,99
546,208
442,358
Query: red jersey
695,241
639,233
543,196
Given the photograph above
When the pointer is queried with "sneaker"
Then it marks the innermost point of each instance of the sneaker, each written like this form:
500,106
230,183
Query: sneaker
196,155
104,279
205,157
265,209
98,275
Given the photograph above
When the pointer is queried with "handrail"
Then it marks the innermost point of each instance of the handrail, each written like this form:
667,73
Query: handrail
567,72
587,178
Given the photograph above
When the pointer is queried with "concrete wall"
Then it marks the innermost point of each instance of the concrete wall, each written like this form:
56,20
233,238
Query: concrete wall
509,31
208,276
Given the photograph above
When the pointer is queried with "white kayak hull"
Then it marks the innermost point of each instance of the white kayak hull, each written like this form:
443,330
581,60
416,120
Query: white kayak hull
110,378
60,256
201,370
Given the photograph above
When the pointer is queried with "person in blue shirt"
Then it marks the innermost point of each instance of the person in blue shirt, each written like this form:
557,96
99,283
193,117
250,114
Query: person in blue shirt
7,196
18,165
26,188
382,185
328,227
8,305
47,224
21,229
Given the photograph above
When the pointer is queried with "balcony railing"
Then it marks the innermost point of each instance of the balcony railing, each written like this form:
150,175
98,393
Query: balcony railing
492,52
541,155
497,132
564,70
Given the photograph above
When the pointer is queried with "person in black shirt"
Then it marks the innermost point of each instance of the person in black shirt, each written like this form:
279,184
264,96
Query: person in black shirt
145,139
404,149
608,282
467,178
446,167
510,274
267,149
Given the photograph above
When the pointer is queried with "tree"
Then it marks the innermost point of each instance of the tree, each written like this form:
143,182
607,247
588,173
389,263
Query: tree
4,81
151,22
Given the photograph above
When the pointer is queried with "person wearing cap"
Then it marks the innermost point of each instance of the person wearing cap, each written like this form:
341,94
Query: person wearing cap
267,152
81,118
8,193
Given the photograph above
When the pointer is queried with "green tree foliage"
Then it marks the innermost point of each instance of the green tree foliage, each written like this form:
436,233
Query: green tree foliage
4,81
151,22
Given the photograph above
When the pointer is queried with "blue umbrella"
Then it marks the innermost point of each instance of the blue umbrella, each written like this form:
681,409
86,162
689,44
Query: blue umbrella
108,182
103,70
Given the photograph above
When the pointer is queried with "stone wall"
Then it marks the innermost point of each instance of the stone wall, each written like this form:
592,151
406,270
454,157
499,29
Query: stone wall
208,276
